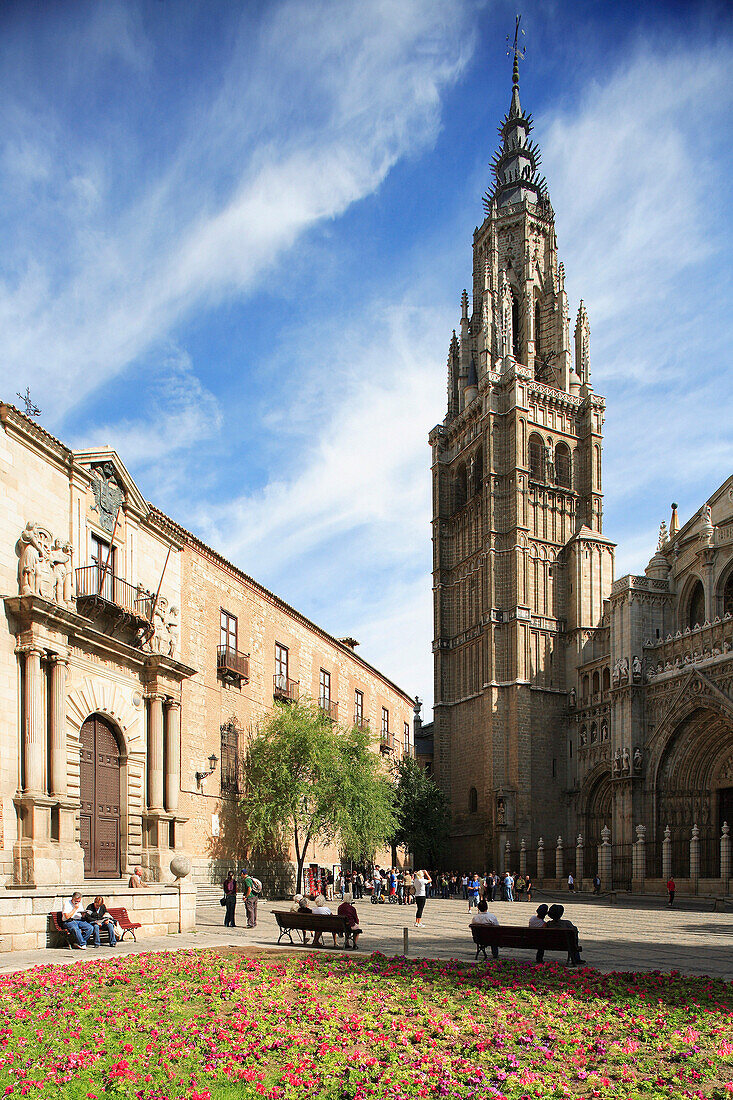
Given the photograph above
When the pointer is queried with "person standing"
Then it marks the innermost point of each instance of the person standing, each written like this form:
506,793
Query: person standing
250,899
229,887
528,887
597,886
377,880
671,889
420,886
508,887
474,889
571,884
464,886
493,883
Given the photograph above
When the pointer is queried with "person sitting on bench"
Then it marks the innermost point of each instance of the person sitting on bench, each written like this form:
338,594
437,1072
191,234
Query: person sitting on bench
320,909
555,913
73,916
485,917
349,914
537,920
98,915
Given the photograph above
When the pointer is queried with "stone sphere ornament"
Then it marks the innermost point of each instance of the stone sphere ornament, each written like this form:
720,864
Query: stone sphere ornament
180,866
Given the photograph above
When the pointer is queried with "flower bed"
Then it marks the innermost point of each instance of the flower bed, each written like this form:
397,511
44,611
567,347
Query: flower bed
210,1026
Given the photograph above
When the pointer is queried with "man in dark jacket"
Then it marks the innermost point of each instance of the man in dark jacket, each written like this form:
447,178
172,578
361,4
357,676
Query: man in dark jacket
555,913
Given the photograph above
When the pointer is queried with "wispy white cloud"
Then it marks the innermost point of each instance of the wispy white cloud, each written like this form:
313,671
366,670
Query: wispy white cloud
364,92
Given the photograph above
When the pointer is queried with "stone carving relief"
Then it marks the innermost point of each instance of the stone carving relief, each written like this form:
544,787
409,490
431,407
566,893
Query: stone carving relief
108,494
637,760
707,529
166,629
625,762
636,668
45,565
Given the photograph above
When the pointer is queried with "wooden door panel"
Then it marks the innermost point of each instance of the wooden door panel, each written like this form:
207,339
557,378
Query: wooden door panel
100,798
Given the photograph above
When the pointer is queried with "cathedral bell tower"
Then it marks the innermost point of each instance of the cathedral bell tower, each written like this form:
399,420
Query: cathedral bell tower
520,564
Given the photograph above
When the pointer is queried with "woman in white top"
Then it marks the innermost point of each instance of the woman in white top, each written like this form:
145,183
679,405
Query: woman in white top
420,888
320,909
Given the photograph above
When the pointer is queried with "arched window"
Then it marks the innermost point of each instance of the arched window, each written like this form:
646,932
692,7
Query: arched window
537,328
562,466
478,471
606,679
536,458
515,326
460,488
473,800
696,612
596,682
728,595
586,686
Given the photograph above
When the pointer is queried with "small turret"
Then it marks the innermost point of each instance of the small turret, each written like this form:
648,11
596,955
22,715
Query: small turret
674,523
582,345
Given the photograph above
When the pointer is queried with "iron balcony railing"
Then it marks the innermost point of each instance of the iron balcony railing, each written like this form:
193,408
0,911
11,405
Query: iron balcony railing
231,664
329,708
361,722
285,689
93,582
386,742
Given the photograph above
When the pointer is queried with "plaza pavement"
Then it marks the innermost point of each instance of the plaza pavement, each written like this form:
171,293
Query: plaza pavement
642,934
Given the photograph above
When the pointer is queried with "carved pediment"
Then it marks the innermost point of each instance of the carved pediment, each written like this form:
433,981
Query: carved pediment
111,485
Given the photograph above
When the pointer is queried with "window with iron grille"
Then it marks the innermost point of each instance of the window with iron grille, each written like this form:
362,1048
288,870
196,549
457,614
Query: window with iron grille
281,666
230,759
358,708
228,630
324,688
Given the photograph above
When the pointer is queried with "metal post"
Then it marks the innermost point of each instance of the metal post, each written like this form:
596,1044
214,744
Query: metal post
405,942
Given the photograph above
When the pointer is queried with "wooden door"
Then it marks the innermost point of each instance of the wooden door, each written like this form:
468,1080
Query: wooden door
100,799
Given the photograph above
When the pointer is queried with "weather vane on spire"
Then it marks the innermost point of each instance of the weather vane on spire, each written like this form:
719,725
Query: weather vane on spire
30,408
516,49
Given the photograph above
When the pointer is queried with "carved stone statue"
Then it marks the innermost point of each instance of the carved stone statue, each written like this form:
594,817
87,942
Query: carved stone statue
624,669
31,553
173,628
617,762
707,529
636,668
159,641
507,334
625,762
60,558
662,535
500,811
637,759
583,736
549,462
573,697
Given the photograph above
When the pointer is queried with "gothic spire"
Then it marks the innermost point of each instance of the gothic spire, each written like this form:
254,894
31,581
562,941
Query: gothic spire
515,165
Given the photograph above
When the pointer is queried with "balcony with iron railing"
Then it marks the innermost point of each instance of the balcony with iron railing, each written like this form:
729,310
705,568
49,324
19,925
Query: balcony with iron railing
386,741
361,722
231,665
284,689
329,707
104,596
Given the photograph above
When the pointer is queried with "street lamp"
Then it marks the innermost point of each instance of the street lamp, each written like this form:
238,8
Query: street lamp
213,761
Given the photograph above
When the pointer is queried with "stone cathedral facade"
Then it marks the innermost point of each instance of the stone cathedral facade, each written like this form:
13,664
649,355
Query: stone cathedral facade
545,670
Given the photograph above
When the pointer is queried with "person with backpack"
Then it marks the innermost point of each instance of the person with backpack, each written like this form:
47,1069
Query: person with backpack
249,893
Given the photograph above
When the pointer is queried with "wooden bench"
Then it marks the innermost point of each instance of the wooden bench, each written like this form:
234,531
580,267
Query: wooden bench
120,916
545,939
312,922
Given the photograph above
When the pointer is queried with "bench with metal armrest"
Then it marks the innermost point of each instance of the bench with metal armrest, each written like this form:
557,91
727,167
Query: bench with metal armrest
537,939
313,922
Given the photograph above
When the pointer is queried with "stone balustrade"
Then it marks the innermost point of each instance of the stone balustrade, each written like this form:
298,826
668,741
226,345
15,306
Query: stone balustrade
686,648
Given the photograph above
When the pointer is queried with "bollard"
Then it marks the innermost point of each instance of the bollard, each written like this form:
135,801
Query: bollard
405,942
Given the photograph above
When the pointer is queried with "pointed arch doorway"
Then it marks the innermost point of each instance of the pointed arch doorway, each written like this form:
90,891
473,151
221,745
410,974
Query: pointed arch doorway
100,787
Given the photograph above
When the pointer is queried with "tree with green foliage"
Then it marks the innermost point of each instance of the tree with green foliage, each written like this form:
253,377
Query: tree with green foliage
307,779
423,812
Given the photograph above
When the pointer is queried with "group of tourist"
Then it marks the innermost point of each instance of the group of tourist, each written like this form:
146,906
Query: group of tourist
473,888
537,920
318,907
251,888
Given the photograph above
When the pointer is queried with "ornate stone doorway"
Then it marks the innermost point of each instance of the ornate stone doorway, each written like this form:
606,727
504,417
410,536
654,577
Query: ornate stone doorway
100,798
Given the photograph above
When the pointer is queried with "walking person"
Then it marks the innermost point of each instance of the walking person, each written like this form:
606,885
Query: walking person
571,884
596,886
671,889
229,887
250,900
420,885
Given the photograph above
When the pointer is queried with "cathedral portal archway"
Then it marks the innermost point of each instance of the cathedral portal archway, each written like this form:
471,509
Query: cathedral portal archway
598,807
694,782
100,794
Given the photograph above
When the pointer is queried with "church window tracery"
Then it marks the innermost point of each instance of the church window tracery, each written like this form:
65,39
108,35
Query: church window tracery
696,606
563,470
536,458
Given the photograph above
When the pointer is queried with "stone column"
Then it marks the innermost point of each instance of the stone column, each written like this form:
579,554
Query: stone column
579,861
58,785
34,725
155,752
725,856
667,854
604,858
507,856
638,859
540,860
559,869
522,857
172,754
695,857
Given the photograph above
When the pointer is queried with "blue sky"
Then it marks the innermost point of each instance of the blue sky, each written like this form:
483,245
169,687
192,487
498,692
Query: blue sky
235,235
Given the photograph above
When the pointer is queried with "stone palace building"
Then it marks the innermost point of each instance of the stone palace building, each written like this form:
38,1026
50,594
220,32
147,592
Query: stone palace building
572,712
134,660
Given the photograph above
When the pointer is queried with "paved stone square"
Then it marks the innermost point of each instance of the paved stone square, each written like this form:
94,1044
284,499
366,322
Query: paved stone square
645,936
